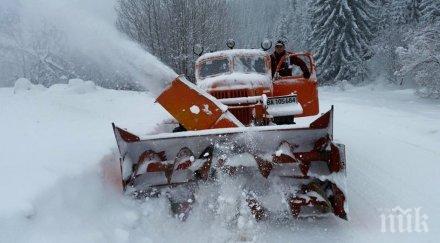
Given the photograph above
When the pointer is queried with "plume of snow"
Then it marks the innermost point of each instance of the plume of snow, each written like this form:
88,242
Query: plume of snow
90,30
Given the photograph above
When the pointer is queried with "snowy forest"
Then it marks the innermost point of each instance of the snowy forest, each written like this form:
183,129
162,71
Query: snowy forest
354,41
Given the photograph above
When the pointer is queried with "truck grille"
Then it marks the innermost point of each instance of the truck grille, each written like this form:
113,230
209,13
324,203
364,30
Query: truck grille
243,113
224,94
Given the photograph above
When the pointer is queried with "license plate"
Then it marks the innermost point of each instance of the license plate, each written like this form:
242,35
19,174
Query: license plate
282,100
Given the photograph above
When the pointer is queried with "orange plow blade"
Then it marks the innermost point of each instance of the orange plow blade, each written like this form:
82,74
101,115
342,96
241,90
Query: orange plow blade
305,165
194,108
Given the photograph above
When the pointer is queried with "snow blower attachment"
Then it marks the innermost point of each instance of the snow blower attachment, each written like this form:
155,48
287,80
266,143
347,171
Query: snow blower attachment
237,130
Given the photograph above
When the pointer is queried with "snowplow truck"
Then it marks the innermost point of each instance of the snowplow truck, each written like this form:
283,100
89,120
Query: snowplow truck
239,121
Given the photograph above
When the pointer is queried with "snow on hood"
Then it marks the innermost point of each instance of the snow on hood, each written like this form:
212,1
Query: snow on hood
232,53
234,80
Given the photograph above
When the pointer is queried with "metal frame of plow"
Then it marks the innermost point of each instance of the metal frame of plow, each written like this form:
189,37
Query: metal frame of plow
304,153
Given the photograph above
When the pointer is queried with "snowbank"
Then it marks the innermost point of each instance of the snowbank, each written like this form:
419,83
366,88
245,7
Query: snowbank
80,86
23,85
74,86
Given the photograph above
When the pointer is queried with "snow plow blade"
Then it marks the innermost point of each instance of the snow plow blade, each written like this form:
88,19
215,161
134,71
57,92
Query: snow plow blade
305,161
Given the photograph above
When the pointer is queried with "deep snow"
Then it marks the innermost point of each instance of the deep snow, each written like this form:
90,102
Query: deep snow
54,139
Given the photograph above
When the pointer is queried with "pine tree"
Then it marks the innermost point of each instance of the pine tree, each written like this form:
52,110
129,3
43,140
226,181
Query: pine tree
420,60
294,25
341,35
398,12
405,12
413,11
390,36
430,10
285,22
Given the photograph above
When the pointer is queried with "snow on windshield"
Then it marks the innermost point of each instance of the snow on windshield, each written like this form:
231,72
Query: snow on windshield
214,67
250,64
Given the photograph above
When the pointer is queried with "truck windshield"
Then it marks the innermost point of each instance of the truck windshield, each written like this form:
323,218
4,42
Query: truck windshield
214,67
250,64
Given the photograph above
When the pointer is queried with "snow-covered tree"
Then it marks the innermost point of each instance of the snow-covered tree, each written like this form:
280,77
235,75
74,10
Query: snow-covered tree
33,51
430,10
404,12
294,25
390,35
254,20
420,60
342,31
414,11
398,11
286,21
170,28
399,19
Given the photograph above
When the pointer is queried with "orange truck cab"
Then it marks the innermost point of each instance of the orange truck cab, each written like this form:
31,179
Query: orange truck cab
242,80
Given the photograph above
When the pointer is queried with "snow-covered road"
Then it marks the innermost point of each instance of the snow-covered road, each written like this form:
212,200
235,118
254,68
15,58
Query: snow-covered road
53,140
